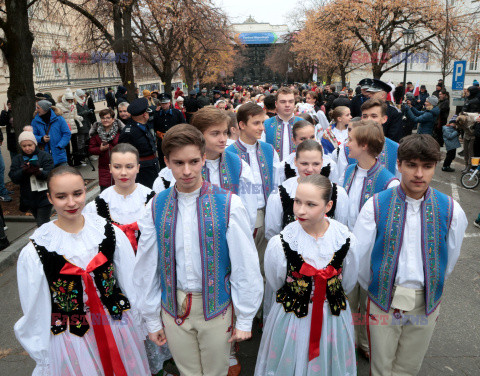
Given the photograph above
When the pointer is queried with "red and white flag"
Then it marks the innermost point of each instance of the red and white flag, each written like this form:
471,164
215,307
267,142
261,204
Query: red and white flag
390,95
416,90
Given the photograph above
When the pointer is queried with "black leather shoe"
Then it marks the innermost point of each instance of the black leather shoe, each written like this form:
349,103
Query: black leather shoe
448,169
4,243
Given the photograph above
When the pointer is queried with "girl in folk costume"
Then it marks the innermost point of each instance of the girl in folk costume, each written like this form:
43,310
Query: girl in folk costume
308,161
309,328
75,275
337,132
303,130
123,204
340,156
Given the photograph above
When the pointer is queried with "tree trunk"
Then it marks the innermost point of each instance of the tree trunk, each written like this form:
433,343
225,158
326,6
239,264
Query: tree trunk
343,76
377,71
18,53
168,78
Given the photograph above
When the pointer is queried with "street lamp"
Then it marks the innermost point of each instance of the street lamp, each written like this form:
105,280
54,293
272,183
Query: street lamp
408,35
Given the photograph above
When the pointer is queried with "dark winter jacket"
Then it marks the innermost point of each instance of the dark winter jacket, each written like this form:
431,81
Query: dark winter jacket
472,103
427,119
398,94
121,95
57,129
104,176
20,174
422,97
444,107
6,119
110,98
341,101
84,112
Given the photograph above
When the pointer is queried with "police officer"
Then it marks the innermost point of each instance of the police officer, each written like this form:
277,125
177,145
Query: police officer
165,117
204,99
358,99
192,105
137,133
393,128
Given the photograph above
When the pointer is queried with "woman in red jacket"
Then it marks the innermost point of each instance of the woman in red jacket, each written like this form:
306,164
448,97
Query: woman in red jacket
103,137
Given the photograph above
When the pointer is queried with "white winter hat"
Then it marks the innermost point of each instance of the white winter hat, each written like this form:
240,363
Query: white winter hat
68,94
79,92
180,99
27,136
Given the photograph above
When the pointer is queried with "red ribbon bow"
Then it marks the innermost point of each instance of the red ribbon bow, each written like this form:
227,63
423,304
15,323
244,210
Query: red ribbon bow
109,355
320,276
130,231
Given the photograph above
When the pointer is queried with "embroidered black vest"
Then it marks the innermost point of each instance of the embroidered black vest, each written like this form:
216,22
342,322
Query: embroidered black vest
289,171
326,171
287,205
166,183
103,210
67,290
295,295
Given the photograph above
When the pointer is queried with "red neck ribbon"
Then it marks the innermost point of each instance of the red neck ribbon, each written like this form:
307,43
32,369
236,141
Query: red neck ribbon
129,230
109,355
320,276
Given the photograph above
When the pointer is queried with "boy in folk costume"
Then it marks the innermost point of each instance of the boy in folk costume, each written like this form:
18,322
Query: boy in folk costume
278,129
409,241
196,262
376,110
361,181
262,159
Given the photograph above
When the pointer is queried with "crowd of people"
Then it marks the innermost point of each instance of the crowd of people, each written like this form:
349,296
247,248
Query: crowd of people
303,210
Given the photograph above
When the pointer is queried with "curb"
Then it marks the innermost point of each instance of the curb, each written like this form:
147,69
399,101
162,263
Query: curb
9,256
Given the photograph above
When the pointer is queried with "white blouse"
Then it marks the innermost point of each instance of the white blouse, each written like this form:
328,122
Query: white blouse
274,212
327,160
316,252
165,173
123,209
33,328
257,189
355,195
410,272
246,280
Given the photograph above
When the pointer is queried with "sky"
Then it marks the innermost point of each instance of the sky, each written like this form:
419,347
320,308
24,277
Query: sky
275,12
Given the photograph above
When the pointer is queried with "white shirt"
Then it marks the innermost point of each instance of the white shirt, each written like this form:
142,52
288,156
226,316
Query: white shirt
410,272
123,209
287,137
327,160
274,211
257,188
355,195
230,141
33,328
341,136
249,200
245,278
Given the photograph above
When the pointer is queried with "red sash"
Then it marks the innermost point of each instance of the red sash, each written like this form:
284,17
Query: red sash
320,277
130,231
109,355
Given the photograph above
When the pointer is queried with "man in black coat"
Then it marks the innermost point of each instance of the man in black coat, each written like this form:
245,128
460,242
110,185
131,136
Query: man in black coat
137,133
358,99
192,105
393,127
472,103
342,100
165,117
110,98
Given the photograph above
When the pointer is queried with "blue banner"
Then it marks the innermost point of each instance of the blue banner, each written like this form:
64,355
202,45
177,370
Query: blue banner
257,38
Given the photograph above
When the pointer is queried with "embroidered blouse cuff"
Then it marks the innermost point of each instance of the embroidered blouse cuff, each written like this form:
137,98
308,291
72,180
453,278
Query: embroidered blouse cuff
154,325
42,369
244,325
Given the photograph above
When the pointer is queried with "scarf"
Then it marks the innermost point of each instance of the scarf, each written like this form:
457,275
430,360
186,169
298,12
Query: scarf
32,159
110,135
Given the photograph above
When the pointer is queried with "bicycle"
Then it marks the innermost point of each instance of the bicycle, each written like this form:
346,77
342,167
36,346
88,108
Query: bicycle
471,179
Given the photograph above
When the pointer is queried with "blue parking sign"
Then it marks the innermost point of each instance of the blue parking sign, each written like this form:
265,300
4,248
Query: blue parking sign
459,69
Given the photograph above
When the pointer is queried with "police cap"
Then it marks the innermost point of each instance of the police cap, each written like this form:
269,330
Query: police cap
138,106
379,85
164,98
366,83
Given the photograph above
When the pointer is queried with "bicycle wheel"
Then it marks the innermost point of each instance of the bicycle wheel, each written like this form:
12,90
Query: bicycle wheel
470,180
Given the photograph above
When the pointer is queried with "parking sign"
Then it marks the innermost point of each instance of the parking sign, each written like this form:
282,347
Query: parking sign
459,68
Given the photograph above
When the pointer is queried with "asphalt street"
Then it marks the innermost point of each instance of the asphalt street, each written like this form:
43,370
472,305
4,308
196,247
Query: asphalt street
455,346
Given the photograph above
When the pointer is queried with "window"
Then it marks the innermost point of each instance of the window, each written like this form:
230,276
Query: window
38,69
56,70
473,66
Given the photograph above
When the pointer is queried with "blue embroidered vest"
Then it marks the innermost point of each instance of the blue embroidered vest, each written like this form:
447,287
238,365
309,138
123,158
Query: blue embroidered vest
378,178
230,170
387,158
213,212
265,155
274,134
390,211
